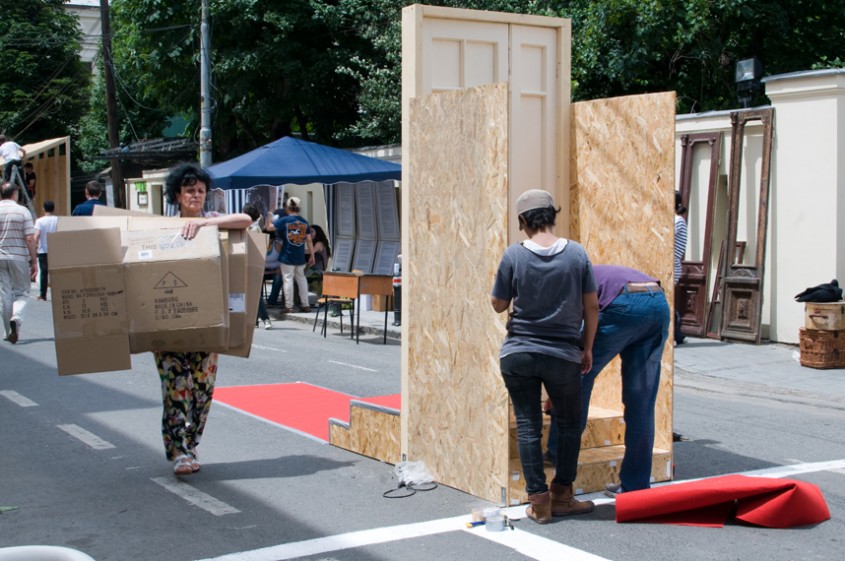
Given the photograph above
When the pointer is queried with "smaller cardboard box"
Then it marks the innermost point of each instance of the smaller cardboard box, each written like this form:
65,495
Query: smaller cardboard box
235,248
175,291
255,247
825,316
89,307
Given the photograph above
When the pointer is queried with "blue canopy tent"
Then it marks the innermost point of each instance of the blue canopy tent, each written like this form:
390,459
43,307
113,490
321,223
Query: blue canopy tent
256,176
290,160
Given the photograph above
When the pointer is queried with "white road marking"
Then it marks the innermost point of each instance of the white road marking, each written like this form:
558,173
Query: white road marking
18,399
351,365
526,543
534,546
86,437
796,469
266,348
195,497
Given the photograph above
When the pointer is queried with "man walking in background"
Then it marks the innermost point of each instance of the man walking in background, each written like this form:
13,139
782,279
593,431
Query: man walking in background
43,226
18,264
93,190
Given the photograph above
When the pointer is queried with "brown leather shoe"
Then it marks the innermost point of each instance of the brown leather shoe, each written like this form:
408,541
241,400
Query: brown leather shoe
540,509
564,503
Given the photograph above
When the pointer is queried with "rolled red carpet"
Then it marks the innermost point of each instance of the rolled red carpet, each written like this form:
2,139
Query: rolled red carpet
763,501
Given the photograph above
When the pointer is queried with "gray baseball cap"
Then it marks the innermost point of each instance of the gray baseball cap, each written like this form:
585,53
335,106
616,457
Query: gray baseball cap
534,198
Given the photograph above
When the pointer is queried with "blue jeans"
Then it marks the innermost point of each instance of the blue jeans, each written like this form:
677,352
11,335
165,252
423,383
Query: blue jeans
634,326
524,373
273,299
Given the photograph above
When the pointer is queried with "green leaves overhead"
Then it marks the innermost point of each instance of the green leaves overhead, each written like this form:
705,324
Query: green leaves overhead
43,83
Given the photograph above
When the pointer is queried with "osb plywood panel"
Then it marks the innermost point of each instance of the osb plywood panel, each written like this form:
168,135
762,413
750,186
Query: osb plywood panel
622,198
456,403
371,432
596,468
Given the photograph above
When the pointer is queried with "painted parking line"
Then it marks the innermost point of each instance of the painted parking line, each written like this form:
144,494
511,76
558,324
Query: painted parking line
195,497
351,365
526,543
535,547
266,348
18,399
86,437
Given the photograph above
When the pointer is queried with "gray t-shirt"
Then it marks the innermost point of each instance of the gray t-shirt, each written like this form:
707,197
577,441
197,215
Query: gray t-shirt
547,289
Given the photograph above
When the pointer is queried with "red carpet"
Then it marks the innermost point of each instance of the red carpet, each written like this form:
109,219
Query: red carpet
763,501
300,407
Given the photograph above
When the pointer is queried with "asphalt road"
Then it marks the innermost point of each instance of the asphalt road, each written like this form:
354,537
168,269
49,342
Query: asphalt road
82,466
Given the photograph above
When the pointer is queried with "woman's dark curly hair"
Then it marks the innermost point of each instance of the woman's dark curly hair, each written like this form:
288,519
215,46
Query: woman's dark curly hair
184,174
539,218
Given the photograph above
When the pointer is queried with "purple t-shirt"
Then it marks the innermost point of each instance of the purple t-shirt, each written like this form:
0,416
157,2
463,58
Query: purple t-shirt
611,279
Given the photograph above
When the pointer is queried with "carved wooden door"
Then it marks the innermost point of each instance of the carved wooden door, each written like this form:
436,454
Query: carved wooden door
742,286
691,292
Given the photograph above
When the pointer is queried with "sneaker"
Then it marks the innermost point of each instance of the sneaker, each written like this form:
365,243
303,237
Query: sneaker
267,324
13,336
613,489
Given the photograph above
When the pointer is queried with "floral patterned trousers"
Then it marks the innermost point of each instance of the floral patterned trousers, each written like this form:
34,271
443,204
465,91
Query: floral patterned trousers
187,384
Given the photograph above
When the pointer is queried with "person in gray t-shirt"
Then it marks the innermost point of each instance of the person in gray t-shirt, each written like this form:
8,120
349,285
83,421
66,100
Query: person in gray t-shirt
550,282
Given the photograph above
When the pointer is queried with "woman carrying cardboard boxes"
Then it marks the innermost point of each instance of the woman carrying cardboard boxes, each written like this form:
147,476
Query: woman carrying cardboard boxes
187,378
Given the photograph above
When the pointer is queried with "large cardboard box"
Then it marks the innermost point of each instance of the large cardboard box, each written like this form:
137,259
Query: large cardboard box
175,291
88,295
165,307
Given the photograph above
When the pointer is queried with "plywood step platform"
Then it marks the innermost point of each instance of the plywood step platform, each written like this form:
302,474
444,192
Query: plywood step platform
596,468
605,427
373,431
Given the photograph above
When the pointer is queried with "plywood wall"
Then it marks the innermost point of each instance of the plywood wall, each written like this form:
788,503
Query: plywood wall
622,208
454,398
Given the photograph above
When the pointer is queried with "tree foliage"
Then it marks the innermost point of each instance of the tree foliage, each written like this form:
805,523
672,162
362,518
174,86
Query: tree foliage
43,83
278,66
331,69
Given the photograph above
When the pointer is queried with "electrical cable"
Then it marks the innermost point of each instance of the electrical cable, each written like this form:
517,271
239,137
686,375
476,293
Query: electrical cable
399,493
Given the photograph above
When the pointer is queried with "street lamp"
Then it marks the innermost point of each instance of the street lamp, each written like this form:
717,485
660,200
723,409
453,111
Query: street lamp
747,78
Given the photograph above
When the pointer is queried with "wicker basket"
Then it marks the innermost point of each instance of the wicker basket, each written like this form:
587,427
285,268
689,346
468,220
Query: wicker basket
822,349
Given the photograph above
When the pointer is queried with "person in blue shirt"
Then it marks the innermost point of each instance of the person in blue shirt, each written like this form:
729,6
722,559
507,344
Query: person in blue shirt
93,190
293,230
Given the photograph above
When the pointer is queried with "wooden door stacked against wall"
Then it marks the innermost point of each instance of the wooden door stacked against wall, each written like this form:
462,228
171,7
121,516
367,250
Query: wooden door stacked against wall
742,285
733,309
691,296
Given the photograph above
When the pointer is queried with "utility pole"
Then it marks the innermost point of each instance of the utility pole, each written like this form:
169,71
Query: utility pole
118,187
205,94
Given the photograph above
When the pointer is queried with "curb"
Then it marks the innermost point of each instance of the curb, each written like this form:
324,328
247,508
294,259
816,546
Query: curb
308,319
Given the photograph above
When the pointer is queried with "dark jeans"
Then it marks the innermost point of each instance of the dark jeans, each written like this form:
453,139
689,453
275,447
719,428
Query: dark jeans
7,171
262,309
44,280
524,374
273,299
634,326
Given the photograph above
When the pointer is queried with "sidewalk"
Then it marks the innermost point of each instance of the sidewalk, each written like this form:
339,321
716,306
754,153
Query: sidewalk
372,323
772,365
